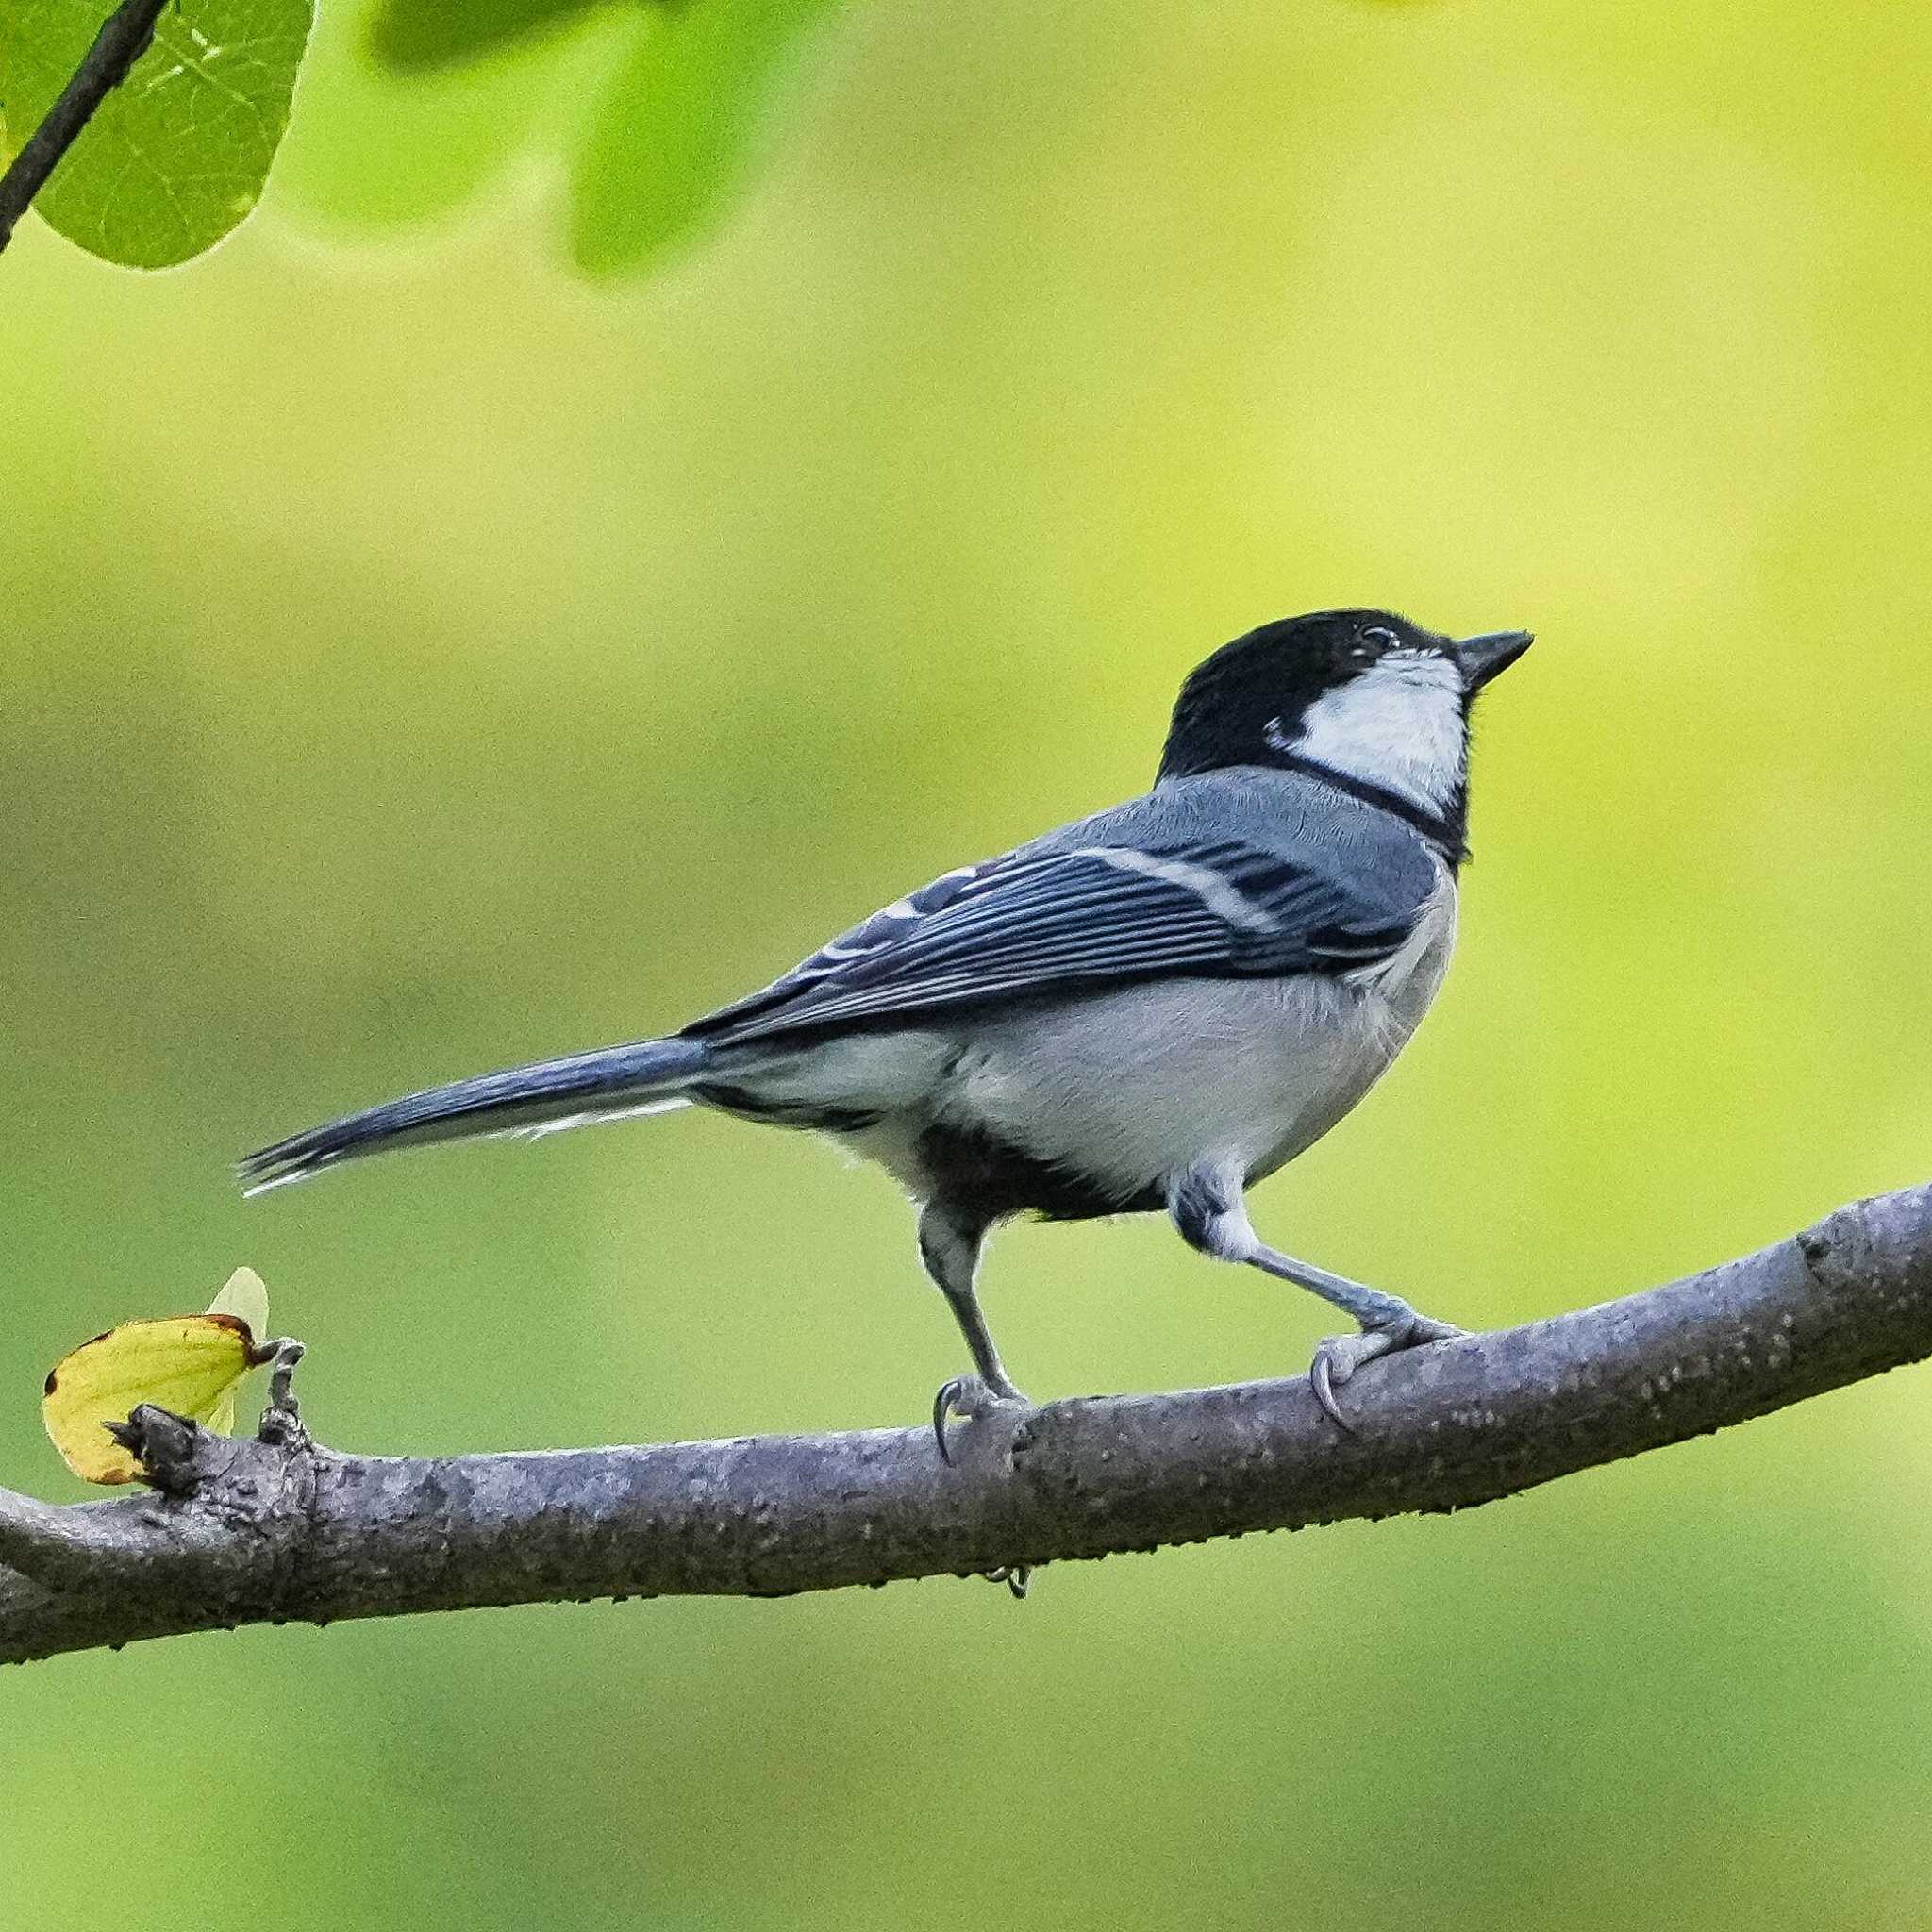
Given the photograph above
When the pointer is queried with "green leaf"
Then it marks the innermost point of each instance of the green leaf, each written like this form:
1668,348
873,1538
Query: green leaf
410,35
680,127
177,154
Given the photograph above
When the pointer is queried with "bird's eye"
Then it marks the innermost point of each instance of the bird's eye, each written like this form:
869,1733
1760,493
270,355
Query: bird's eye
1379,634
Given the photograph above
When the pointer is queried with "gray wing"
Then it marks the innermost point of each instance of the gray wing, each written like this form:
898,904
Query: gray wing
1053,918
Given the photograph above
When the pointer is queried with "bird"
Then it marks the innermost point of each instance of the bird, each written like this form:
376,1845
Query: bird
1147,1011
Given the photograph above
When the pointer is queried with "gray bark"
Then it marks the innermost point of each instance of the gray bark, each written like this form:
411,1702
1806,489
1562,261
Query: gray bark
275,1527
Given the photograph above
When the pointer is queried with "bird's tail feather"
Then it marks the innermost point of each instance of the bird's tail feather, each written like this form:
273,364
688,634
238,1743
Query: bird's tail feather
609,1084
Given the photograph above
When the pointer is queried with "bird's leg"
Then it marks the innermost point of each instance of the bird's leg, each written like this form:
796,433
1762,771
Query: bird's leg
1206,1205
949,1246
1386,1323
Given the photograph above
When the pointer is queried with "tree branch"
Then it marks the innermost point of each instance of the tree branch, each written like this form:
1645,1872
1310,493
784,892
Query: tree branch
118,45
277,1528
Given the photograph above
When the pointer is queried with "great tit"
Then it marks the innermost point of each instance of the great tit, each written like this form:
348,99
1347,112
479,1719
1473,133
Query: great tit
1147,1011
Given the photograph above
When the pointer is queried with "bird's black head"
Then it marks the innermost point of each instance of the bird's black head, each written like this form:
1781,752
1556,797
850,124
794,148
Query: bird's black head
1362,698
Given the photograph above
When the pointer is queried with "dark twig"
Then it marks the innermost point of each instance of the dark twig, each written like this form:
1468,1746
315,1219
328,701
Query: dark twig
118,45
243,1531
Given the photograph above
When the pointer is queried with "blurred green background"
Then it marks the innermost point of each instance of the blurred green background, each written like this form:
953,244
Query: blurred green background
421,659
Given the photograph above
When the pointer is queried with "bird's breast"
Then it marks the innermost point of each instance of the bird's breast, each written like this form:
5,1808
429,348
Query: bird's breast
1129,1088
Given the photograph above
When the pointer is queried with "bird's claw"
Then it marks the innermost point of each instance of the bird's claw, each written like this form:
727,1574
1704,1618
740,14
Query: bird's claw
968,1397
1337,1356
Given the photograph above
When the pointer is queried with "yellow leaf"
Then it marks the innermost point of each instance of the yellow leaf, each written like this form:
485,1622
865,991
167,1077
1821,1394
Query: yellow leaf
191,1364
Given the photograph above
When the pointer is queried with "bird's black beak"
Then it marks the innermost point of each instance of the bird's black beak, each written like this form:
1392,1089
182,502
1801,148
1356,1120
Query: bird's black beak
1490,655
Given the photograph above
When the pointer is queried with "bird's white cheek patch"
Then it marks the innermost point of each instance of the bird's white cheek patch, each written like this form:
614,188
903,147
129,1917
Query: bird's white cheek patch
1399,726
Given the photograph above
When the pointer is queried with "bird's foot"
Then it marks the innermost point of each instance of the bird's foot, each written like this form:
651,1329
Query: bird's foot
1337,1356
969,1398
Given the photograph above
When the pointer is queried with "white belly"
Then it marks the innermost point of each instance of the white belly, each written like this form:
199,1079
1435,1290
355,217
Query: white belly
1136,1085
